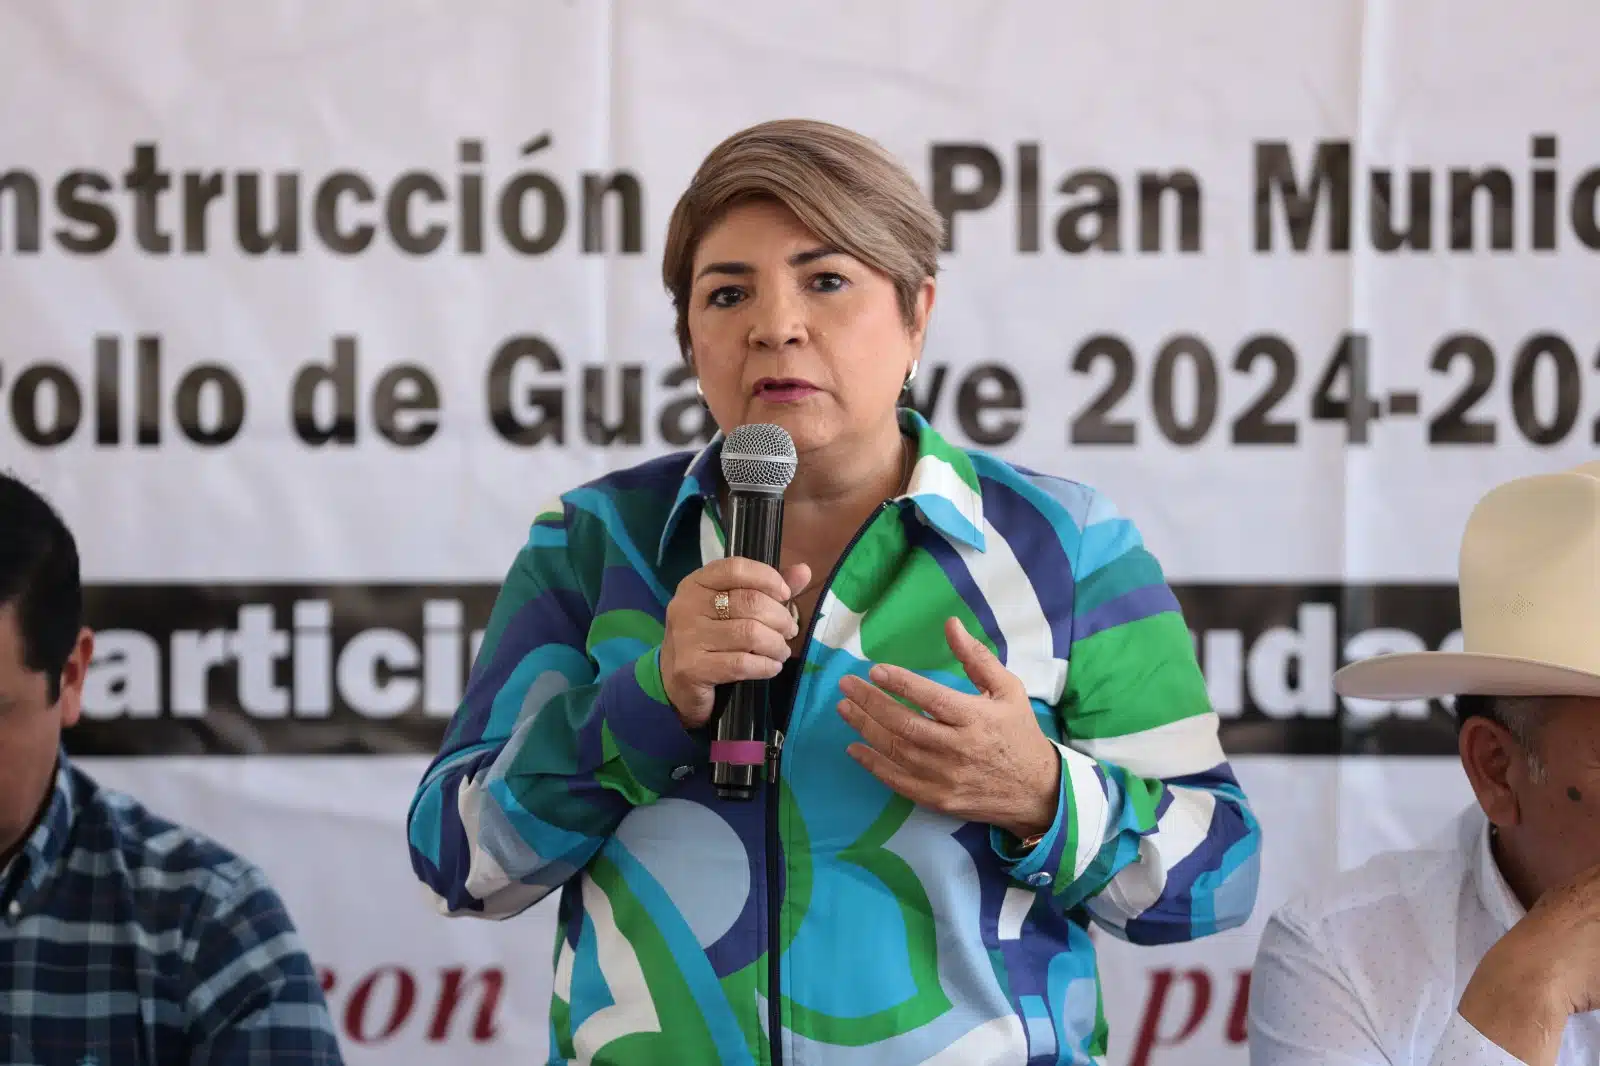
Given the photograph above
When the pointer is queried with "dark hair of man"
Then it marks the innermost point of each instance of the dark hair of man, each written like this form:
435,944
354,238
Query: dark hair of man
39,579
1475,706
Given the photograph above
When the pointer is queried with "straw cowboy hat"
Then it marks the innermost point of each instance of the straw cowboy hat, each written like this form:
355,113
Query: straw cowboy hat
1530,601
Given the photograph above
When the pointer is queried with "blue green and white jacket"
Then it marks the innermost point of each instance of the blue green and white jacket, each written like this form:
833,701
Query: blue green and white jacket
892,935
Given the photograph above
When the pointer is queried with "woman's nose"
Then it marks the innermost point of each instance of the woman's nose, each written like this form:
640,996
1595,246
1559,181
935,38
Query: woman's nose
779,321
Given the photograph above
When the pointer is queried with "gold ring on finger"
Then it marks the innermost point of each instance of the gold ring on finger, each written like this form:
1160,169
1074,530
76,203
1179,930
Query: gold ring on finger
720,604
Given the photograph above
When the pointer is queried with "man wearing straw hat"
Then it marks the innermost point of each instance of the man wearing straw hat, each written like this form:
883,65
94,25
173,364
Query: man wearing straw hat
1481,948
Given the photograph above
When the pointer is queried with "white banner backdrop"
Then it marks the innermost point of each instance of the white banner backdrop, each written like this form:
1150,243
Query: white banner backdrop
309,306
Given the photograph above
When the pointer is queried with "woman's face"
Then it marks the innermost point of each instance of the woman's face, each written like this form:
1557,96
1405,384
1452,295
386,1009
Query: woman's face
786,330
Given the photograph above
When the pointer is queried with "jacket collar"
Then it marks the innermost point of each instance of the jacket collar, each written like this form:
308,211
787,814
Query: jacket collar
24,878
943,488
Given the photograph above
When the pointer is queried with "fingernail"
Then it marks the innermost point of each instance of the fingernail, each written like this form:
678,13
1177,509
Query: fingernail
879,673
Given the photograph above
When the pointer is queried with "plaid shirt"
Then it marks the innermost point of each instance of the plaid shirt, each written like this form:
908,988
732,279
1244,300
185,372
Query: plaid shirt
126,940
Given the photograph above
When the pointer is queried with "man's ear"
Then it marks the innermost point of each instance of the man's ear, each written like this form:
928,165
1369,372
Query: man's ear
73,676
1490,755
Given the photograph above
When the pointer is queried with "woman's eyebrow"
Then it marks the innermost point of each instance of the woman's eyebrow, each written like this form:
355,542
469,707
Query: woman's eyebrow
736,268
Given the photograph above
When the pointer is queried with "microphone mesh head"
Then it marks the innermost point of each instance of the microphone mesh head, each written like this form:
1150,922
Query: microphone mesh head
758,458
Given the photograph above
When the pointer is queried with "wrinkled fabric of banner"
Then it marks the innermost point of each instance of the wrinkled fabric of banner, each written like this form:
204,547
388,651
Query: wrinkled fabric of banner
310,307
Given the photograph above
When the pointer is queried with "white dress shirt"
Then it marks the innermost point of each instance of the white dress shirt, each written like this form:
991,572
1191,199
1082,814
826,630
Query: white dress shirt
1367,970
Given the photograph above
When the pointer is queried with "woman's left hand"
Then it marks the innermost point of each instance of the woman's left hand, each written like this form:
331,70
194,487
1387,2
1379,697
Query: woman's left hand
980,758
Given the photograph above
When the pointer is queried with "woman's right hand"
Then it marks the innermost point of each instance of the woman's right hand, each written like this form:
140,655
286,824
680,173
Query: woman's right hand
702,649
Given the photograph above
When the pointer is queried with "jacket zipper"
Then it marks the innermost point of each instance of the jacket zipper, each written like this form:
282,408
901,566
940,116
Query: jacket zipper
774,760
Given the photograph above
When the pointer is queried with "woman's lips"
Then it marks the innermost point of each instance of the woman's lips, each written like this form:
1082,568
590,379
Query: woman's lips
784,391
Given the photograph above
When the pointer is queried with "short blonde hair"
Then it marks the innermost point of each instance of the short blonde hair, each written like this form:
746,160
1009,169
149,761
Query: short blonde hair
842,186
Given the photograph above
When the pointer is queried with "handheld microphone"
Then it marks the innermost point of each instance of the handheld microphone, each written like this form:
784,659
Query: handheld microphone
758,462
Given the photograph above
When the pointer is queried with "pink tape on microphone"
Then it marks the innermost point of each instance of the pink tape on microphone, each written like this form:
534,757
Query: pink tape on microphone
739,752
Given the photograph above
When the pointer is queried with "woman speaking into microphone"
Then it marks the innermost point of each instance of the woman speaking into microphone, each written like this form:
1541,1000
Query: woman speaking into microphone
987,725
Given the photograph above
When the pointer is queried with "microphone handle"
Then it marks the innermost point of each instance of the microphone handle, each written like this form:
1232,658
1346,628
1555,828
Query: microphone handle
739,715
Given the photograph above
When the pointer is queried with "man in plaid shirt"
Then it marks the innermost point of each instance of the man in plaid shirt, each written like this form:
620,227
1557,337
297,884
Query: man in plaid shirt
124,939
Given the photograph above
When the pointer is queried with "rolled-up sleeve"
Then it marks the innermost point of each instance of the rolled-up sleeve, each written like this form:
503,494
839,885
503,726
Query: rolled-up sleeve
1152,834
1463,1045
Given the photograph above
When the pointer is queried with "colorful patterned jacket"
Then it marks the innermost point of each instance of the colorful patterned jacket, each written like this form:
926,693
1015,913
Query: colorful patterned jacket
894,935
